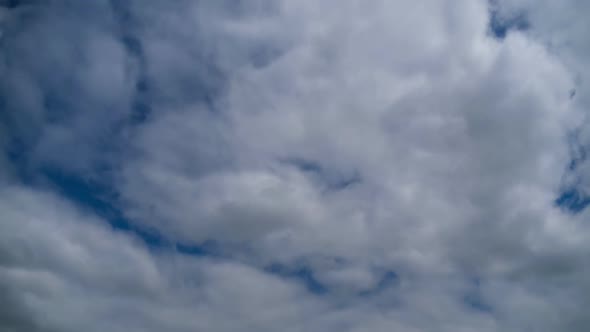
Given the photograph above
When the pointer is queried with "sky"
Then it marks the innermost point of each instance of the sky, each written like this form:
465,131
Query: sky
294,165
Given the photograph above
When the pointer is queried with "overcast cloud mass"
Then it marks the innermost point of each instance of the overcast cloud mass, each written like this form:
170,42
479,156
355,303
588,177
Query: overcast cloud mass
294,165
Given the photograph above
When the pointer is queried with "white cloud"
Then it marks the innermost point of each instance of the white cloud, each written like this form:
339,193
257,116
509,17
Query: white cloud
65,270
441,127
349,138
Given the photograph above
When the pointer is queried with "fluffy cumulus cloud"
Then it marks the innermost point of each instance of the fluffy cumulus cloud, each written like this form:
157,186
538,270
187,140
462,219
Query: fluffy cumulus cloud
289,165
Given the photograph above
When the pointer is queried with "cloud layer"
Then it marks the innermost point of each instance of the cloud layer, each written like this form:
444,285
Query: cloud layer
293,165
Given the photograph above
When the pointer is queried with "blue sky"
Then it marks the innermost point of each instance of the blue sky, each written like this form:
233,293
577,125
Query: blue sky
293,165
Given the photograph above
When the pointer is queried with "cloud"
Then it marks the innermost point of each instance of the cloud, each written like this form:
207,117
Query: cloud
67,82
356,166
435,134
67,270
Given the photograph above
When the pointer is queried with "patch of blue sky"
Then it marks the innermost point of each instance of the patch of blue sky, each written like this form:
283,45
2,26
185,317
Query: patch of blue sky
331,179
102,200
302,274
501,24
474,299
572,198
305,275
